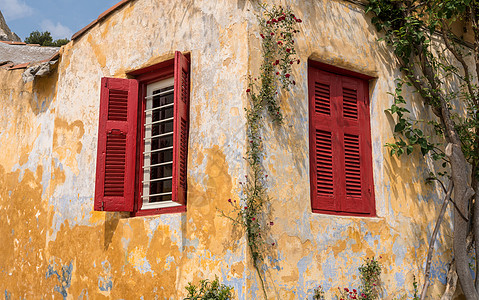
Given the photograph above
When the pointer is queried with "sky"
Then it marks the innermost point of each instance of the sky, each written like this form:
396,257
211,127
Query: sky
62,18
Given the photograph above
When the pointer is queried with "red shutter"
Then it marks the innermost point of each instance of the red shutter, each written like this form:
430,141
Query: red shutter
115,170
340,144
181,122
323,141
357,162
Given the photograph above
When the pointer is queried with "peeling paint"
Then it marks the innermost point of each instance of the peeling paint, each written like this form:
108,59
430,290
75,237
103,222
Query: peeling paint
55,244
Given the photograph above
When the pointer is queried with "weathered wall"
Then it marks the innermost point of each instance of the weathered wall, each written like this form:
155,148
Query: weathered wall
55,244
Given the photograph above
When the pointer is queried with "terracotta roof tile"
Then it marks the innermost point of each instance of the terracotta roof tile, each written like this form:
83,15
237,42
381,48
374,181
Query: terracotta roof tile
20,66
13,43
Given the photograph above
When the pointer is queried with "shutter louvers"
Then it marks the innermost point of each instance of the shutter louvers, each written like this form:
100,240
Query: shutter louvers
350,104
352,165
115,175
324,163
181,122
322,98
117,105
115,162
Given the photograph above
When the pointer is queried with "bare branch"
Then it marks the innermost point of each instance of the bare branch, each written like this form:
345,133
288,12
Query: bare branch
439,220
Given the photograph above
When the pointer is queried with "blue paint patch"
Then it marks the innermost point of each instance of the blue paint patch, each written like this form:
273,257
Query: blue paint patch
153,224
105,283
64,278
8,296
70,207
83,295
400,280
143,267
399,251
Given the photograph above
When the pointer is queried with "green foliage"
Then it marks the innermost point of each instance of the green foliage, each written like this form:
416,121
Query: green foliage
318,293
414,285
209,291
369,273
408,27
443,69
44,39
61,42
407,132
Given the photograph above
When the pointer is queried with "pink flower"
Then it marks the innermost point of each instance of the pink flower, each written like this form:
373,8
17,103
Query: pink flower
262,36
276,62
272,33
277,73
297,61
288,50
274,20
291,62
229,200
271,223
253,219
346,289
287,75
273,244
246,207
248,90
299,20
294,82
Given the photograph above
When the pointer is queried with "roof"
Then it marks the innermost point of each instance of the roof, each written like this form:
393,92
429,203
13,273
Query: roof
99,19
19,54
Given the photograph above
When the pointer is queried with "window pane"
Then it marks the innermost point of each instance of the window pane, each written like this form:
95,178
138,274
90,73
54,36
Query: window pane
158,155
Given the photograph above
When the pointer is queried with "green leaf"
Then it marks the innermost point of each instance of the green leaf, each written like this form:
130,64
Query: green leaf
409,149
399,127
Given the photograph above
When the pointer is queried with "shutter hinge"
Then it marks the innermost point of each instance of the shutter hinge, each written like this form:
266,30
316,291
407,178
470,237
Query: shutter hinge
102,208
106,83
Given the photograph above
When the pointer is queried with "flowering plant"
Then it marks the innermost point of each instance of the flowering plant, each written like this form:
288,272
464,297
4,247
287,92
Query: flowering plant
277,37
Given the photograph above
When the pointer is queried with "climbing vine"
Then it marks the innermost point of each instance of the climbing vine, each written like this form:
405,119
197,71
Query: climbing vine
438,62
277,29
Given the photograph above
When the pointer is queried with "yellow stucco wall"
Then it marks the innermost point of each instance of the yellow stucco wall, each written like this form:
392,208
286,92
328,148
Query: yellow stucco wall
54,244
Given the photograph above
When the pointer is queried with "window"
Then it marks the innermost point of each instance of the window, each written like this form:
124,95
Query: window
340,142
143,140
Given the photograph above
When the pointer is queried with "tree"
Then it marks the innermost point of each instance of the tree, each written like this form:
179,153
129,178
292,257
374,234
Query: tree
44,39
427,38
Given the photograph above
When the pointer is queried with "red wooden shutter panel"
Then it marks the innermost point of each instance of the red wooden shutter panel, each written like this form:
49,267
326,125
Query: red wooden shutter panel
323,142
116,154
357,158
181,123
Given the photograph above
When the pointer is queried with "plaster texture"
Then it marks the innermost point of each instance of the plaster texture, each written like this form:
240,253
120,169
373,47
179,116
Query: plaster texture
55,245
